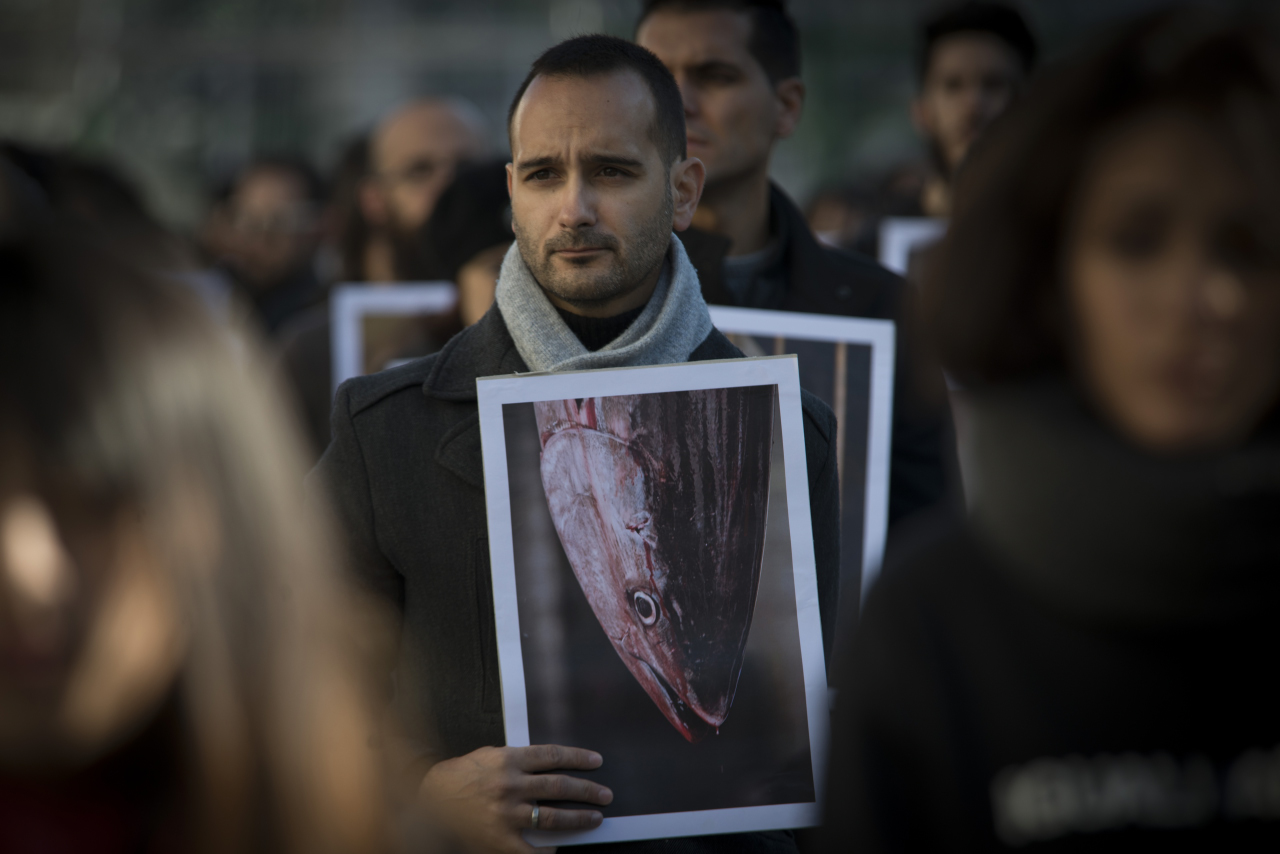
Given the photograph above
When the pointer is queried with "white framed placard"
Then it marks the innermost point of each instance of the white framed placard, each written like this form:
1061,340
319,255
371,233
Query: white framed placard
849,363
655,591
902,235
351,304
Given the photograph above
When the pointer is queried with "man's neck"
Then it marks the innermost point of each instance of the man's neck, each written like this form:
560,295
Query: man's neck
738,209
379,260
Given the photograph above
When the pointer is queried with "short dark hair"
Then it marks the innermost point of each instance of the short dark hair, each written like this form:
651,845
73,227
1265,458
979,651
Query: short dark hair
596,55
471,215
996,19
993,295
313,185
775,39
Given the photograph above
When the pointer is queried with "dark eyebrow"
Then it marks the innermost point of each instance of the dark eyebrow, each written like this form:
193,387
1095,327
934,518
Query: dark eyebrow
536,163
612,160
715,65
590,160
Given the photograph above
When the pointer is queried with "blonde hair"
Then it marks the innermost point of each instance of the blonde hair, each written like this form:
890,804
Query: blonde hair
120,386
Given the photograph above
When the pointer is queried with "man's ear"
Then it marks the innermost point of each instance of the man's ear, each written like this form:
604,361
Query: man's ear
511,177
687,178
790,96
372,205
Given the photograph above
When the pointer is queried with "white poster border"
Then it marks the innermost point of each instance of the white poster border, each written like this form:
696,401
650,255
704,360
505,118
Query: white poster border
900,235
783,371
350,303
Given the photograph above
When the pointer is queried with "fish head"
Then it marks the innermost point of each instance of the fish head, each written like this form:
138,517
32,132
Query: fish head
677,622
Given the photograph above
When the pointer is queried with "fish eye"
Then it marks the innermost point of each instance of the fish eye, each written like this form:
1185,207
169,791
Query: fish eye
646,607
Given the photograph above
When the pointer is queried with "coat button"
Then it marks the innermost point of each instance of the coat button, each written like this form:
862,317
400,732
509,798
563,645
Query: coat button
844,292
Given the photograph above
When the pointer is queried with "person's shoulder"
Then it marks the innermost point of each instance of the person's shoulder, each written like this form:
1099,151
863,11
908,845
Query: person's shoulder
366,392
844,282
857,266
715,346
830,280
818,415
482,349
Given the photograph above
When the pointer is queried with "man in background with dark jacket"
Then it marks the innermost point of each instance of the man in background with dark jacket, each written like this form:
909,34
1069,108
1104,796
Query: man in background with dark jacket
737,63
599,179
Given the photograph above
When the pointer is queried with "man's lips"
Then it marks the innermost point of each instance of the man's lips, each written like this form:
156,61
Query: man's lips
579,251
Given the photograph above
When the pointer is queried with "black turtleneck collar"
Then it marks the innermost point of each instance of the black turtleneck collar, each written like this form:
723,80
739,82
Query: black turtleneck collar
596,332
1099,526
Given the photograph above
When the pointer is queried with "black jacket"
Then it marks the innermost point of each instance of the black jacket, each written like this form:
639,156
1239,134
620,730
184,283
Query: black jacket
1087,665
405,475
824,280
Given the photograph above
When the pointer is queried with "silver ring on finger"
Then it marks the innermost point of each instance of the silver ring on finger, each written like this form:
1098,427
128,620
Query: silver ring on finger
533,819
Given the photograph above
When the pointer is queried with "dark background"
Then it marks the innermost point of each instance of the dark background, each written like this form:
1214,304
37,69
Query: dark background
180,91
580,693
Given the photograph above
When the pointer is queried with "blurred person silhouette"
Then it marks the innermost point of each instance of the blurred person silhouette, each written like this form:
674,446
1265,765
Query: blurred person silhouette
173,673
595,279
737,63
463,242
837,213
265,230
349,232
304,345
469,233
412,157
973,59
96,194
1086,663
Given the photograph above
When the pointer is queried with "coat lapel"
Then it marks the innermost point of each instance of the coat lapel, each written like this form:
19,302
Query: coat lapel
483,350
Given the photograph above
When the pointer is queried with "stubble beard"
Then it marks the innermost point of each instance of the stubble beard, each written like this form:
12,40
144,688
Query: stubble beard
631,264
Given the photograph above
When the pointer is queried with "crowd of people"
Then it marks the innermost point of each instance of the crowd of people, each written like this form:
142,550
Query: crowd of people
240,612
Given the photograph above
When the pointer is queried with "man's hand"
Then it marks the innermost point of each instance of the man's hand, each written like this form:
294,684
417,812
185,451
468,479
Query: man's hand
486,797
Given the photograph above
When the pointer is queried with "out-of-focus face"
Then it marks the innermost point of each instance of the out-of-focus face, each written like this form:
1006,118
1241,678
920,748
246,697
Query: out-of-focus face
90,634
414,155
971,79
272,228
593,203
1173,275
478,281
733,114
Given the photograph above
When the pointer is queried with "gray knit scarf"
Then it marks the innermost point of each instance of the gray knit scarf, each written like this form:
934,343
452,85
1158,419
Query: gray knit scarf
671,326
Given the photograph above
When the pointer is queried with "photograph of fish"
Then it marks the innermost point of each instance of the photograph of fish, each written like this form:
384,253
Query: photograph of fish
659,501
656,593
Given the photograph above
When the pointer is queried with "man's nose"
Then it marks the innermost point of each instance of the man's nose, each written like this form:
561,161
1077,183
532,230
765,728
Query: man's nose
577,204
689,95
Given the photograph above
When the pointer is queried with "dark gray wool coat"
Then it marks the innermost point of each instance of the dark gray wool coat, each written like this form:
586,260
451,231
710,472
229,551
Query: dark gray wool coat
404,474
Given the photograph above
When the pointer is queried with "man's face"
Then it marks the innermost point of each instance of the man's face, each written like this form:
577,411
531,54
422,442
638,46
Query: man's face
733,113
414,156
591,195
272,229
971,79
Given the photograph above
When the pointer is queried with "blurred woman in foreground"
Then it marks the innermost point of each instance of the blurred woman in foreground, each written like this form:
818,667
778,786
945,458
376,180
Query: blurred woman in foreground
171,677
1090,661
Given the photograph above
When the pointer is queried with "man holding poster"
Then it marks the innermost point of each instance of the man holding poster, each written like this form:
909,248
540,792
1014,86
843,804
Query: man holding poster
599,179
